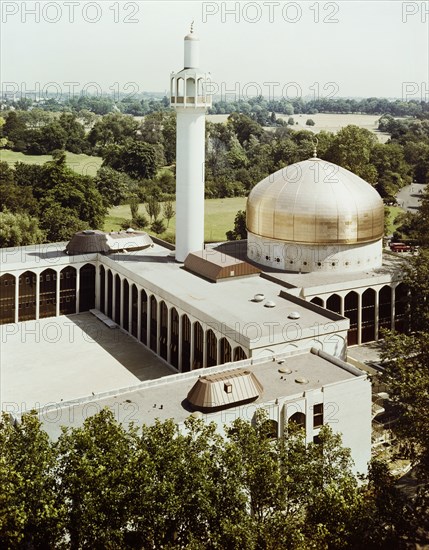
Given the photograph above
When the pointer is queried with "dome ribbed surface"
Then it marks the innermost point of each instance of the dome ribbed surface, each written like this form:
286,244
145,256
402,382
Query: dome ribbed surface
315,202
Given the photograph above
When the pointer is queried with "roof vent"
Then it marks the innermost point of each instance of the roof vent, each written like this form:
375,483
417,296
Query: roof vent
130,230
227,387
294,315
269,303
285,370
88,232
258,297
301,380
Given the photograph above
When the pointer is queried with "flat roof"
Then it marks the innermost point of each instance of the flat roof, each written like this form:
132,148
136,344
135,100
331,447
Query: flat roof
311,283
165,398
68,357
228,306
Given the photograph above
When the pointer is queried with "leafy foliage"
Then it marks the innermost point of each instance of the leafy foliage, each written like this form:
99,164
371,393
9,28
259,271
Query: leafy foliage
104,486
19,230
240,231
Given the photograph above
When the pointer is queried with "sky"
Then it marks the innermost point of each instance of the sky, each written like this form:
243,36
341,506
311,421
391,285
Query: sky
287,49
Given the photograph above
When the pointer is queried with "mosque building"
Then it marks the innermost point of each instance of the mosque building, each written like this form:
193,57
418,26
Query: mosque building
234,320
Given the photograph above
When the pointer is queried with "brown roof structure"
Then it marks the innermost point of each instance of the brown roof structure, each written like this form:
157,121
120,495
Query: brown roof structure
85,242
224,390
215,266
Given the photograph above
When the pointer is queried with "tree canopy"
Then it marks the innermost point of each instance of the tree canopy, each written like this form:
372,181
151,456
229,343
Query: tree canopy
103,485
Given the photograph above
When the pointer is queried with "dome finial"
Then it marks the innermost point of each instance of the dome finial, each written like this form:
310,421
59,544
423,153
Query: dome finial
192,27
315,143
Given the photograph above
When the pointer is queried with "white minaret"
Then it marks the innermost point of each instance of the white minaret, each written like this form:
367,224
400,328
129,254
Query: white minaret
190,99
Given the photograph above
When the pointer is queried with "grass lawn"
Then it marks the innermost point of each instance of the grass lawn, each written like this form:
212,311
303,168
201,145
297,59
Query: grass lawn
219,218
82,164
393,212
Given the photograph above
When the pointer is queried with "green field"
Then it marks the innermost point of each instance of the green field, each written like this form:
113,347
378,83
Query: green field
219,218
82,164
393,212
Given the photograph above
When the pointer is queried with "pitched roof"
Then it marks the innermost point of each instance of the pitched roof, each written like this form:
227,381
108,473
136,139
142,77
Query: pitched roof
88,241
223,390
214,265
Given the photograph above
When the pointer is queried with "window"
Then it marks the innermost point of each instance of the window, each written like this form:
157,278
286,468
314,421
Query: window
316,440
318,415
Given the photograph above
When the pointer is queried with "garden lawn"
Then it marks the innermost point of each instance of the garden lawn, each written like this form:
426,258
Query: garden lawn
82,164
219,218
393,212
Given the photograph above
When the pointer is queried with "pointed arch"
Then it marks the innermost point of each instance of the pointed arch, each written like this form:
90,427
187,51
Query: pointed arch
126,305
174,337
239,354
48,293
211,345
163,327
385,307
134,310
118,290
109,294
153,323
102,289
333,303
198,346
68,290
87,287
368,315
317,301
401,306
143,316
298,418
186,343
225,351
7,299
351,304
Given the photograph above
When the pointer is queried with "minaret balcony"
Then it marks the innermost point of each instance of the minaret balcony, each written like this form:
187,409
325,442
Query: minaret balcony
191,101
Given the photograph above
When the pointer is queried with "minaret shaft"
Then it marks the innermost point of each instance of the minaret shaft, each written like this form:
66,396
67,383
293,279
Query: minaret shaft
189,97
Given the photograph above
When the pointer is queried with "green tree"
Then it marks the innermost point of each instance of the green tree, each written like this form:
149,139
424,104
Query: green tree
60,223
134,207
169,211
14,130
31,512
19,230
158,226
153,207
137,159
114,186
3,140
240,231
112,129
351,148
310,122
95,466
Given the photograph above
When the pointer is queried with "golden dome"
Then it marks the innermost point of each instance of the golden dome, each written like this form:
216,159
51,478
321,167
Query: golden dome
315,202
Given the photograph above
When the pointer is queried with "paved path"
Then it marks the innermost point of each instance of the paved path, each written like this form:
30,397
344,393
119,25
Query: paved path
409,197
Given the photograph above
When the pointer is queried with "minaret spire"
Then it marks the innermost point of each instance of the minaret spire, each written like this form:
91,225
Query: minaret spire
189,97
